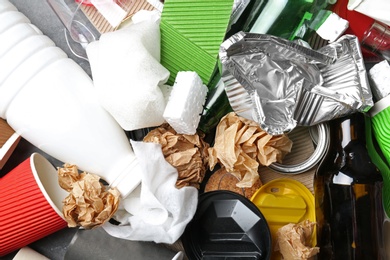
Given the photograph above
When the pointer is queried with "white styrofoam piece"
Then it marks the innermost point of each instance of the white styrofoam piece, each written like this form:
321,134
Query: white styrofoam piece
333,27
186,102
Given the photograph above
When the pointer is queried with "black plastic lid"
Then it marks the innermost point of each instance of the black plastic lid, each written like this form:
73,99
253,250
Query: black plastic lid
227,225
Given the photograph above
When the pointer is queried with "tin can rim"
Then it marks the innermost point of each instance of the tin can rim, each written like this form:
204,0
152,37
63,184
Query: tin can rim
322,141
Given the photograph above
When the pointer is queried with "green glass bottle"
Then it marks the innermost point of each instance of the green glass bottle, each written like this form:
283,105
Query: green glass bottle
288,19
217,105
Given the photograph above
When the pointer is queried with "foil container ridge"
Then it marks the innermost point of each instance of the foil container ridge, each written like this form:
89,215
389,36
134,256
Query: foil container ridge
345,81
367,96
238,97
223,49
287,47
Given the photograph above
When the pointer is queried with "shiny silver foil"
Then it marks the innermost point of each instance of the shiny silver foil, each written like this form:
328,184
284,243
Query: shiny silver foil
238,8
280,84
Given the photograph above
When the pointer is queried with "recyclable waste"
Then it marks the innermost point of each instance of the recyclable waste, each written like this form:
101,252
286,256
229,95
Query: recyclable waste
36,88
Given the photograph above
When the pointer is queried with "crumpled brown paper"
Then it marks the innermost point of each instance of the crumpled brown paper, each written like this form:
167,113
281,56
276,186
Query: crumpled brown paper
187,153
88,204
294,241
241,146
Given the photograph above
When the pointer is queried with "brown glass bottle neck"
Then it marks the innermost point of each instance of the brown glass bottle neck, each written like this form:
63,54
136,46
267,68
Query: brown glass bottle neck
347,129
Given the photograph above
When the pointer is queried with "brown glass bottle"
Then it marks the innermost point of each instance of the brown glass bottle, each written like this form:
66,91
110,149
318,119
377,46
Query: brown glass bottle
348,195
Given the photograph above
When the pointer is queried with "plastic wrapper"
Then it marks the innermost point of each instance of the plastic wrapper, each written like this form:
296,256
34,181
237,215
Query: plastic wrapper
187,153
241,146
88,204
8,142
280,84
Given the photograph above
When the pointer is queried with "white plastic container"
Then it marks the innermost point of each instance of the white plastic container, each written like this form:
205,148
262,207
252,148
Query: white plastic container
50,101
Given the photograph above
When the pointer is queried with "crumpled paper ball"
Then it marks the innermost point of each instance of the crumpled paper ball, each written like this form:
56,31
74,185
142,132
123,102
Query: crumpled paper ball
294,241
241,146
187,153
88,204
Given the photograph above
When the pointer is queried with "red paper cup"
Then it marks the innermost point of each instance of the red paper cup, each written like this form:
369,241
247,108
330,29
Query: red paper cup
30,204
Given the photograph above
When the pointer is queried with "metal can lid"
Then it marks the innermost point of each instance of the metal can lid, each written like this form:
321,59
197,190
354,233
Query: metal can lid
320,135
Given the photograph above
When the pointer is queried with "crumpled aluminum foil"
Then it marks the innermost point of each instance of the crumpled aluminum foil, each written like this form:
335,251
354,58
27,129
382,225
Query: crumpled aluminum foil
280,84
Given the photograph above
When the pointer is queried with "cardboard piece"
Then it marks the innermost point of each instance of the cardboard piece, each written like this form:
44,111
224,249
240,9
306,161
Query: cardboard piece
102,25
8,142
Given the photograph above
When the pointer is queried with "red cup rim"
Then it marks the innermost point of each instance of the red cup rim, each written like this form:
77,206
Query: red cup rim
40,164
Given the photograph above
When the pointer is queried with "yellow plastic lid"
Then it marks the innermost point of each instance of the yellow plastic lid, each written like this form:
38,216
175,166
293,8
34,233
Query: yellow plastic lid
284,201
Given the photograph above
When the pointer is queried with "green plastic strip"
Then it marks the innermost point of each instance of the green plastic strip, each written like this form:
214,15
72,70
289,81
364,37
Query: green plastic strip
381,164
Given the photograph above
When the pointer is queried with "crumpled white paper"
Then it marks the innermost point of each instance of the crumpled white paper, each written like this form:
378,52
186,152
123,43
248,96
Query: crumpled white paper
127,73
156,211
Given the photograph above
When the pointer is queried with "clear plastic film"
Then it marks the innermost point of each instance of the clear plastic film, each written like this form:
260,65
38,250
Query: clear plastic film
86,20
280,84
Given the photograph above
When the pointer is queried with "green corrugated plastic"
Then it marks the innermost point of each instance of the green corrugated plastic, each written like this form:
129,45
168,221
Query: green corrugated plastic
191,33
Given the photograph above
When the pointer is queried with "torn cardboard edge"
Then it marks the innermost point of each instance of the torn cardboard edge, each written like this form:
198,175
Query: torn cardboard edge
8,142
102,25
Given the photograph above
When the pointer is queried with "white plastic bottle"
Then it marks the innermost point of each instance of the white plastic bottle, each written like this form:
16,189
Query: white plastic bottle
49,100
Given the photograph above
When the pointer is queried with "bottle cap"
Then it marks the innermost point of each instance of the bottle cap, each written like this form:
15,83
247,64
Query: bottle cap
127,179
380,106
285,201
